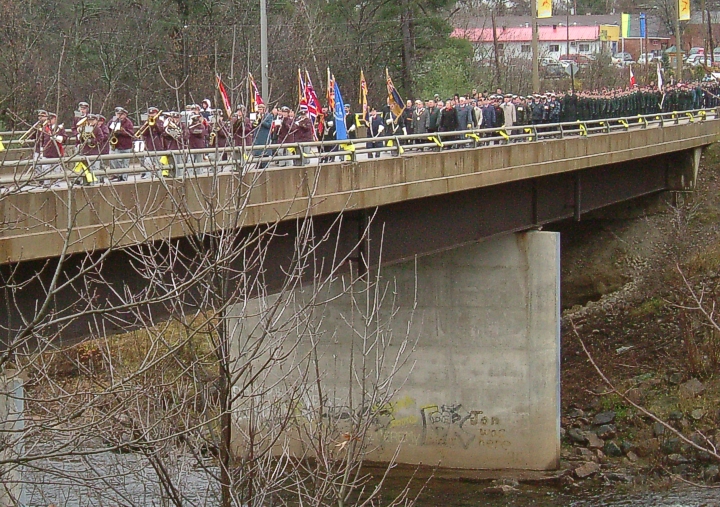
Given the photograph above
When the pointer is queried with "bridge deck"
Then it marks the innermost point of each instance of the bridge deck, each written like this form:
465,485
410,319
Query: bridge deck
121,214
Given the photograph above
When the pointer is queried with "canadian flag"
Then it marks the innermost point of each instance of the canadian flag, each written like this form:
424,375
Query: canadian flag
632,77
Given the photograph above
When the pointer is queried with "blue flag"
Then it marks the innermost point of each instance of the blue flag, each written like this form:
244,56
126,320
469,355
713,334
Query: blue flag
642,25
340,128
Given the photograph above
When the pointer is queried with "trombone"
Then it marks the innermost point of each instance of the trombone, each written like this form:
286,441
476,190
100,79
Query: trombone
150,122
35,127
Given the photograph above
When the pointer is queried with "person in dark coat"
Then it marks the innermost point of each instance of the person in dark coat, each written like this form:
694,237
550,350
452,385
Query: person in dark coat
261,132
376,127
433,118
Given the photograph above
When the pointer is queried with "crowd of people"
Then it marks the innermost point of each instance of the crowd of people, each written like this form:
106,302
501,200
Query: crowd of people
201,126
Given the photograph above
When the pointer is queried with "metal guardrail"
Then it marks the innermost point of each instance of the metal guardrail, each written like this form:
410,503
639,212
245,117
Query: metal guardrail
244,158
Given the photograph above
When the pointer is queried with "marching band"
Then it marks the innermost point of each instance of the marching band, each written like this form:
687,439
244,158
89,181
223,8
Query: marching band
201,126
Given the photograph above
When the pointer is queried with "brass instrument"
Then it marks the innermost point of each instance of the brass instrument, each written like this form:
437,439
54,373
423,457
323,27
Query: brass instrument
150,122
88,136
173,130
37,126
113,138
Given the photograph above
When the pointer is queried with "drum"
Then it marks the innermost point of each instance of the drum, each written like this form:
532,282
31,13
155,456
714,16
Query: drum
138,146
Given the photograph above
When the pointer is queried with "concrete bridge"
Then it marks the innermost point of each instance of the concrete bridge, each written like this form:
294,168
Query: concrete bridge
486,391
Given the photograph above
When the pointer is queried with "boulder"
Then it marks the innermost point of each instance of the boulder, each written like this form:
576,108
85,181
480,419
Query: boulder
658,429
618,477
677,459
612,450
691,388
594,441
577,436
606,431
603,418
586,470
501,489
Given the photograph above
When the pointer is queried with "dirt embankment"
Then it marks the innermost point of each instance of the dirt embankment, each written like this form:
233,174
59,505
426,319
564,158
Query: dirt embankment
650,272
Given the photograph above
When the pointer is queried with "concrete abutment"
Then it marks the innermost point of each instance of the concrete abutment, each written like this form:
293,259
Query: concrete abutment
470,339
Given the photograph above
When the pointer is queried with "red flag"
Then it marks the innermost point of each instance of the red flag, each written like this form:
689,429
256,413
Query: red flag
224,95
632,77
311,98
257,98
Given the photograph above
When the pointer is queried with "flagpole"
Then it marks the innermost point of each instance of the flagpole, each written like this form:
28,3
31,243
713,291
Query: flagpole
264,48
535,49
678,52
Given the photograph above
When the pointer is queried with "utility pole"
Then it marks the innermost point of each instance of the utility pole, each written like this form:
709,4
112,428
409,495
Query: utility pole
567,34
678,51
535,49
264,49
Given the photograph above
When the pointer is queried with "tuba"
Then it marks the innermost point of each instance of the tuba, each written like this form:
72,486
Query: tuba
173,130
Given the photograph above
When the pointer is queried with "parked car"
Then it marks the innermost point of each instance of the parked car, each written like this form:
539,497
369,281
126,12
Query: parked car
547,60
646,58
622,59
554,70
571,67
696,60
581,60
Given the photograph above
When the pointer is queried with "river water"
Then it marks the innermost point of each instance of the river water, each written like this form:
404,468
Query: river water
126,480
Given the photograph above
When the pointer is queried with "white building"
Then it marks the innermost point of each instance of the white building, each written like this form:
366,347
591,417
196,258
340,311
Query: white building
517,41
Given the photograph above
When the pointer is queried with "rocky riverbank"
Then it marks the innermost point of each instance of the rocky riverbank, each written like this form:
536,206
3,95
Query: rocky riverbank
653,273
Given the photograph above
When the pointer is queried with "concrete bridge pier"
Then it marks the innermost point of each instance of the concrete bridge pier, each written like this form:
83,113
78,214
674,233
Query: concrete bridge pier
682,169
481,390
12,424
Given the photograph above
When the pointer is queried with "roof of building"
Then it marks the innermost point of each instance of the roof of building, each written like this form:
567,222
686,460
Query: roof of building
523,34
656,28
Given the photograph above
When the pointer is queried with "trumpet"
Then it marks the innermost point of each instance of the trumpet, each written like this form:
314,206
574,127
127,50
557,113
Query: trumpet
113,140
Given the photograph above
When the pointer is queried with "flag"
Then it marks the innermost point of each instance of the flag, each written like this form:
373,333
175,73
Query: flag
339,113
397,106
363,96
224,96
330,91
311,98
659,76
684,10
255,97
625,25
643,25
544,8
632,77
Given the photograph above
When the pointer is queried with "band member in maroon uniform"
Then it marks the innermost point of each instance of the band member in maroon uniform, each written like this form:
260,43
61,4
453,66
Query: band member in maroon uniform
151,132
92,138
53,139
302,131
197,132
36,133
220,133
80,118
122,132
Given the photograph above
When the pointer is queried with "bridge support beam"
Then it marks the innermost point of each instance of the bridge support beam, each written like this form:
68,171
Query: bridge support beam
683,167
480,390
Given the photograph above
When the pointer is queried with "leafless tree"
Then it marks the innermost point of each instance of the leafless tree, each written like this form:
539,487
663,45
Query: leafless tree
187,380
